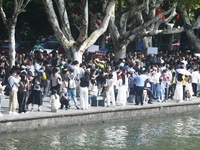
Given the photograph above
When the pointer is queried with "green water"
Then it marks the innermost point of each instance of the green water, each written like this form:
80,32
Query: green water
167,133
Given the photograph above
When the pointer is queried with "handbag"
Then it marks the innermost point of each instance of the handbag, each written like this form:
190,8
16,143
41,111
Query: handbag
106,88
8,88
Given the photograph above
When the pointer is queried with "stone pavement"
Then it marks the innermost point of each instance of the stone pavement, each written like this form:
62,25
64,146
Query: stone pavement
46,111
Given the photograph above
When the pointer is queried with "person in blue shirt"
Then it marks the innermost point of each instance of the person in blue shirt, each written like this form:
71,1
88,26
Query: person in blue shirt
140,82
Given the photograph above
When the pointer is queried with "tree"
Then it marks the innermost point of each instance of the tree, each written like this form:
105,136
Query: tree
62,28
189,23
137,19
10,22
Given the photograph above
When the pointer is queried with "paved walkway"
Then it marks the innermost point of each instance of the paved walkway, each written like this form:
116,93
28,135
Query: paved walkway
73,111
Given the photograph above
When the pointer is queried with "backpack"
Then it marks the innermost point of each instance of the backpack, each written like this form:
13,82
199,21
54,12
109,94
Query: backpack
72,83
8,88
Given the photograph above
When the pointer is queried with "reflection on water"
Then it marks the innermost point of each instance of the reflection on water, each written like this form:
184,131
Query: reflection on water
116,136
174,133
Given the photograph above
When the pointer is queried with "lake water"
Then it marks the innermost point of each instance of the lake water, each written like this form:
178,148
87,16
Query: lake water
163,133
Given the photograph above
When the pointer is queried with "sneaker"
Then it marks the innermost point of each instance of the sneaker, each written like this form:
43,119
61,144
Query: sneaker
15,113
1,115
39,110
10,112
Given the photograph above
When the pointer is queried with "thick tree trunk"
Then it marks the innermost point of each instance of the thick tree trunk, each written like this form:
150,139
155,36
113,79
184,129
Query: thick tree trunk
84,41
12,51
77,54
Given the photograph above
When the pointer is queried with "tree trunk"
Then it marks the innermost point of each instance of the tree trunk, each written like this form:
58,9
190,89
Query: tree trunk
120,53
77,54
83,42
194,40
12,51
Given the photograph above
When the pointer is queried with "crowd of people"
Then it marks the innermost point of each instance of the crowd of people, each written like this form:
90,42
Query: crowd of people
162,77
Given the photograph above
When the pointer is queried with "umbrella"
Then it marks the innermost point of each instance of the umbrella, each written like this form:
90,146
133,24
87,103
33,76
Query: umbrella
197,54
183,71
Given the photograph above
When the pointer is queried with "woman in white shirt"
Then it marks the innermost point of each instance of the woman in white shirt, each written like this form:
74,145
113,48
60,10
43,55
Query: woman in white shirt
54,101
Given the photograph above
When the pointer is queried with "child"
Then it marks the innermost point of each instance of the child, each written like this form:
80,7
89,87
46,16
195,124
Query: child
188,89
64,98
54,101
160,91
1,95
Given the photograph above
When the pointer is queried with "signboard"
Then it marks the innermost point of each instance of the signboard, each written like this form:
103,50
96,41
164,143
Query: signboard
93,48
100,54
152,50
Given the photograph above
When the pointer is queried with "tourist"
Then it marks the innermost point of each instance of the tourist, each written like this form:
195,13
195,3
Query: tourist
184,82
1,95
23,92
48,71
110,96
140,81
84,84
122,88
195,80
178,94
72,85
166,81
160,91
114,73
13,80
56,80
154,80
188,88
147,87
64,101
93,90
36,95
54,101
173,82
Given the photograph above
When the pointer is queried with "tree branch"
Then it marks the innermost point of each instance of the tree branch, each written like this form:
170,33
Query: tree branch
84,24
55,25
197,23
23,6
147,24
3,14
63,15
109,9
